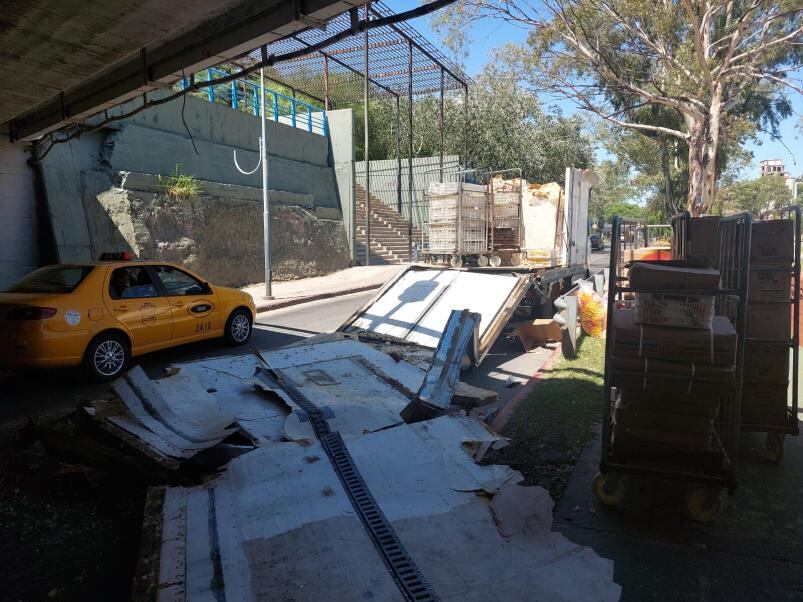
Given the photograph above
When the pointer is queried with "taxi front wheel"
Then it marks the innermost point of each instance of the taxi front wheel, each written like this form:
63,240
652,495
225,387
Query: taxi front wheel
107,356
238,327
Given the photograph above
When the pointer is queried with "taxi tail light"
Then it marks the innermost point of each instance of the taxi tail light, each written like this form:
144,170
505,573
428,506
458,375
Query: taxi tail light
31,313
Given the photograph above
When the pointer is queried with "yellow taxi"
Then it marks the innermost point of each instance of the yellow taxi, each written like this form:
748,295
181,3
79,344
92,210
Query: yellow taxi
101,314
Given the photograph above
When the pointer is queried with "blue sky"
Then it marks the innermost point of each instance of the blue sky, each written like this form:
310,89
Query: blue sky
489,34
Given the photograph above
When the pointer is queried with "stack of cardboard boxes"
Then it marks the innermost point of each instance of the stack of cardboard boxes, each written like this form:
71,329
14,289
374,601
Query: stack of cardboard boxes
769,318
673,360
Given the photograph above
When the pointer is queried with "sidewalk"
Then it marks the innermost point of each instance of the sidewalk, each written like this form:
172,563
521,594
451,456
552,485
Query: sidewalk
344,282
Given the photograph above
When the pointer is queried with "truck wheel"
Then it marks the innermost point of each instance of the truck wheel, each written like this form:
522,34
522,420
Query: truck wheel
238,327
455,261
107,356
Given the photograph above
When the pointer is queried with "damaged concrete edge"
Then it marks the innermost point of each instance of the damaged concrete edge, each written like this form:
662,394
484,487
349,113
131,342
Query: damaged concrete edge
146,575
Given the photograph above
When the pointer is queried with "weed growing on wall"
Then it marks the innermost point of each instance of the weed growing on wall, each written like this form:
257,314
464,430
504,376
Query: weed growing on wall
180,186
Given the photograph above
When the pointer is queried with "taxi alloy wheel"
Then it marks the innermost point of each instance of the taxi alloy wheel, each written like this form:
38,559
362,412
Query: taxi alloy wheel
238,328
107,356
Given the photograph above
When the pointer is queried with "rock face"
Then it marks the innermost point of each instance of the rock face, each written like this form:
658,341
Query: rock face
218,237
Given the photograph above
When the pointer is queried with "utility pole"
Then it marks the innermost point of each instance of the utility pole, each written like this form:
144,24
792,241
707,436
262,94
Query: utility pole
263,161
265,190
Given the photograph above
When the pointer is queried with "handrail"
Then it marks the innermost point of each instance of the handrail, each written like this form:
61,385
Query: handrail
302,115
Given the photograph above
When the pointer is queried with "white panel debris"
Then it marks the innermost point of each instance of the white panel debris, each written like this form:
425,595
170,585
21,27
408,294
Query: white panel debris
416,307
276,524
225,384
148,423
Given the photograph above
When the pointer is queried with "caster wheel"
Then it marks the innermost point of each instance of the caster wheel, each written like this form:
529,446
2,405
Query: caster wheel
455,261
495,261
608,489
482,261
773,446
706,505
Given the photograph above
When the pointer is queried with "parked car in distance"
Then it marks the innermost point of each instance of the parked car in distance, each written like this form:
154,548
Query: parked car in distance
99,315
597,244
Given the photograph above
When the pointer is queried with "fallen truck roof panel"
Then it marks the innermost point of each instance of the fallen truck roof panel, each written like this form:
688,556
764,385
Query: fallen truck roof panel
277,523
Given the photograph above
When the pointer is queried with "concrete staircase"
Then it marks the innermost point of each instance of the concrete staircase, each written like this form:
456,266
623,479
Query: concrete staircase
389,232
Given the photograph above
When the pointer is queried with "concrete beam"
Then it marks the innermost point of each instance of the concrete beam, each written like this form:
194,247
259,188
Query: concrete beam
249,25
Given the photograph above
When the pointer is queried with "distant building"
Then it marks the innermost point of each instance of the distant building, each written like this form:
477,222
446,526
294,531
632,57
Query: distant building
776,167
773,167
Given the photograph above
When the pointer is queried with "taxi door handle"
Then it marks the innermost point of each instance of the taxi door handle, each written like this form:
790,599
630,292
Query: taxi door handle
120,308
178,305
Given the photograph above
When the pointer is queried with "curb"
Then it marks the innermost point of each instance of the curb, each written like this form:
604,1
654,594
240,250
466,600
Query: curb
281,303
504,413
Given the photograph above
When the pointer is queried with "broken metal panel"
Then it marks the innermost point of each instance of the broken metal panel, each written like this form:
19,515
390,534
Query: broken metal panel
436,392
416,305
357,388
147,423
225,384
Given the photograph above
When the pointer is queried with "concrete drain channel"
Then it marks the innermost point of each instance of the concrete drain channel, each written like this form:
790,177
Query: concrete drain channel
408,577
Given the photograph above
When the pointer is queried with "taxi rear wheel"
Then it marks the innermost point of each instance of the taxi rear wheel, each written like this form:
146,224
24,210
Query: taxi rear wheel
238,327
107,356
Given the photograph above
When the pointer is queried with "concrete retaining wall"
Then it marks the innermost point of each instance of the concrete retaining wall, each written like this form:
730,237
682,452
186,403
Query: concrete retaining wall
92,179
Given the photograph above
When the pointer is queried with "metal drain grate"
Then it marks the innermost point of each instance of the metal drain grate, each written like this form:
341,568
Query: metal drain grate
408,577
411,582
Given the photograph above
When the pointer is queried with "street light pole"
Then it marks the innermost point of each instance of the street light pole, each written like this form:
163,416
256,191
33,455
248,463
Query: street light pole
265,190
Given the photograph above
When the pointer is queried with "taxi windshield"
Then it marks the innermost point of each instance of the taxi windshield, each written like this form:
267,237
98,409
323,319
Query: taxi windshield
52,279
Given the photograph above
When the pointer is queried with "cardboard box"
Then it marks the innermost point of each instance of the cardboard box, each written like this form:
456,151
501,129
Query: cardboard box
769,285
764,404
673,378
651,276
538,332
773,242
702,240
664,421
630,437
715,346
769,321
766,363
683,403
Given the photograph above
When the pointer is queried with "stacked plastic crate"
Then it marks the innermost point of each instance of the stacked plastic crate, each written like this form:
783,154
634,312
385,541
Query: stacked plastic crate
458,222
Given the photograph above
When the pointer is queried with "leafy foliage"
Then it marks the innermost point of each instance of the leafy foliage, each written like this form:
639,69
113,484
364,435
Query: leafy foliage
507,128
754,196
704,73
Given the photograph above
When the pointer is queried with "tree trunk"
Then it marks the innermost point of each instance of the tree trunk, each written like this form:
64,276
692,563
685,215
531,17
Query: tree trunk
703,142
671,207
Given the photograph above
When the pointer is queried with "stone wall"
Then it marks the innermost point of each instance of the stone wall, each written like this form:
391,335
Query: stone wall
218,235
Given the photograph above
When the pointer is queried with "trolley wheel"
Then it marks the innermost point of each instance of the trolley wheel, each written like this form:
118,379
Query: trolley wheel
495,261
705,505
482,261
608,489
773,446
455,261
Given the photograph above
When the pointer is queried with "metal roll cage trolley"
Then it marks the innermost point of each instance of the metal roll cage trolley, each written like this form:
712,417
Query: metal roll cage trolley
709,472
774,442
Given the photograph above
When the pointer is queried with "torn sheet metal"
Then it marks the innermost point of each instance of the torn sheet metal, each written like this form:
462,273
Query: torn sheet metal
435,394
274,526
150,425
225,385
415,306
358,388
